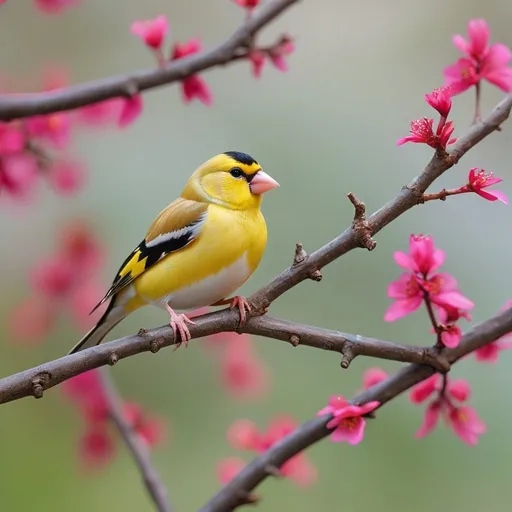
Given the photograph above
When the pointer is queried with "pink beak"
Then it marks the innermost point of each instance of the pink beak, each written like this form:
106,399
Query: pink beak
262,182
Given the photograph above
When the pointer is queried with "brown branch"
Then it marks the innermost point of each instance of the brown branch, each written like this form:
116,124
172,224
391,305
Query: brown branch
232,495
138,450
34,381
25,105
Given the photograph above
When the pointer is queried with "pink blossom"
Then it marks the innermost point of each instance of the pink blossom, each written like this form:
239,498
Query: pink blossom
459,389
228,468
466,424
347,421
373,376
244,375
193,87
80,246
420,284
451,336
489,353
96,448
481,61
67,176
149,429
81,302
18,175
247,4
423,256
53,278
31,321
100,113
424,389
278,53
244,435
55,128
479,179
12,139
440,100
462,419
422,132
131,109
151,32
430,419
54,6
257,59
300,470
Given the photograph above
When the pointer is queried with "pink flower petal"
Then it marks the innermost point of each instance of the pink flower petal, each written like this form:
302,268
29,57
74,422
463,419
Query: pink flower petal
453,299
131,110
401,308
430,419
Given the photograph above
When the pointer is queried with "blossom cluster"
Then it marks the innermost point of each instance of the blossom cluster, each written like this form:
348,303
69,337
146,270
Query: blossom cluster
97,444
67,280
245,435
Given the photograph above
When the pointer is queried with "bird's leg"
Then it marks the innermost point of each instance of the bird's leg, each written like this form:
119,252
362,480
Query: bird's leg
238,301
179,323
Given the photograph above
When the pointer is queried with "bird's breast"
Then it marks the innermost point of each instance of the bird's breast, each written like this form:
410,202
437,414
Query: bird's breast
211,268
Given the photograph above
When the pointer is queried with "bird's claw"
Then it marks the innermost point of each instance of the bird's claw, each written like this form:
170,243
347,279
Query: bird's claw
178,324
243,305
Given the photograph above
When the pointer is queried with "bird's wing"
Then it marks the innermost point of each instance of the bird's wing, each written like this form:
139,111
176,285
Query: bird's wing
176,226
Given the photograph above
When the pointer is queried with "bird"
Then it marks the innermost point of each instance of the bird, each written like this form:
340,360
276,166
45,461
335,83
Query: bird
198,251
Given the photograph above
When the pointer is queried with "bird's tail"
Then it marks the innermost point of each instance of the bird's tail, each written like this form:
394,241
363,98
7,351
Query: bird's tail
112,316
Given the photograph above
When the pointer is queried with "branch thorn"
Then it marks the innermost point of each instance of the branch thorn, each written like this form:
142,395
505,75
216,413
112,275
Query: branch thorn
348,356
113,358
295,340
155,346
270,469
38,384
300,254
360,225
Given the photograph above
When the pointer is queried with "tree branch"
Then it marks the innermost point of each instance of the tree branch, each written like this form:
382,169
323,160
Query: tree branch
235,492
34,381
25,105
139,451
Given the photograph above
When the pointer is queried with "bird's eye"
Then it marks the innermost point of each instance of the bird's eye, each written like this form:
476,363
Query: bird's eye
236,172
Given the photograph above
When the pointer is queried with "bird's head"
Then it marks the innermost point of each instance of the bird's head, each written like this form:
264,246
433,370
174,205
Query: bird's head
232,179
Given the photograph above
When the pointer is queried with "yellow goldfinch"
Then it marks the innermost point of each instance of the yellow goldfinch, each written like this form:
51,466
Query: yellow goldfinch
199,249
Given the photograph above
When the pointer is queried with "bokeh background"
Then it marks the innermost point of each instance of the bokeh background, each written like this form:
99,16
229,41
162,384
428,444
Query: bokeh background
325,128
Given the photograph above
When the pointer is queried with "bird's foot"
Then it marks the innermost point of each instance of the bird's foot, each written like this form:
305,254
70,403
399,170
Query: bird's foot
243,305
178,324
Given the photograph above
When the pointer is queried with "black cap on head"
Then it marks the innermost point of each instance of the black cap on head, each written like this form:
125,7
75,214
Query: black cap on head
243,158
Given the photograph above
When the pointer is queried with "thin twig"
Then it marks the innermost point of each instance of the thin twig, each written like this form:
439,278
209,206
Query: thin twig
314,430
25,105
138,450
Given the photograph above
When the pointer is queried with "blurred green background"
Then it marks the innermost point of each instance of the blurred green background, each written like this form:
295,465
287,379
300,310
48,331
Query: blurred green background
325,128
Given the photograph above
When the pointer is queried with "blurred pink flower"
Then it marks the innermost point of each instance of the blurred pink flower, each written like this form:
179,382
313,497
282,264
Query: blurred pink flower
66,176
247,4
96,449
373,376
149,429
151,32
228,468
244,375
489,353
244,435
31,320
348,422
12,139
100,113
193,87
131,109
257,59
53,278
279,53
54,128
18,175
54,6
481,61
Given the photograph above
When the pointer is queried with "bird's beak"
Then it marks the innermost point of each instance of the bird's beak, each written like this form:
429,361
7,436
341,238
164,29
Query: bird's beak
262,182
